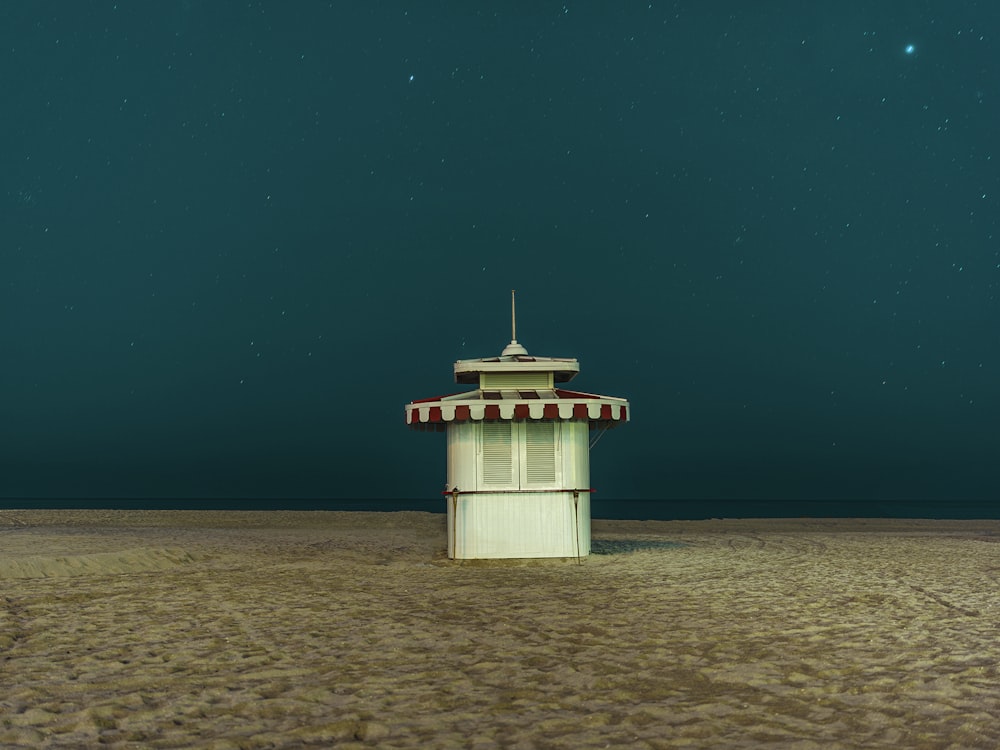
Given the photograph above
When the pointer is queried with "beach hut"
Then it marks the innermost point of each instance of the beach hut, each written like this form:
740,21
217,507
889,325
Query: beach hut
518,454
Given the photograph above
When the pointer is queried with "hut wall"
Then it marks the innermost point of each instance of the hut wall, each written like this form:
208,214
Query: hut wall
576,454
462,450
518,524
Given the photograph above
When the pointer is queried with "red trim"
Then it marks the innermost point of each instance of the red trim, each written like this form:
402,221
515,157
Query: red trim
433,398
562,393
519,410
447,493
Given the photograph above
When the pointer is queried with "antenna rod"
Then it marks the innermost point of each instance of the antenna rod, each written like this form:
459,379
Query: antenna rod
513,320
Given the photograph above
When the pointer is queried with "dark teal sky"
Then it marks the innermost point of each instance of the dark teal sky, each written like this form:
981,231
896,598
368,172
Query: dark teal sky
238,236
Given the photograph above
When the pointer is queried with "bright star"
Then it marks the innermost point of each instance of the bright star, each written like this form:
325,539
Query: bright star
910,49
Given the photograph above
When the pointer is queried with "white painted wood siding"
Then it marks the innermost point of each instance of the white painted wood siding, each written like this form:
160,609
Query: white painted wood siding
463,468
519,525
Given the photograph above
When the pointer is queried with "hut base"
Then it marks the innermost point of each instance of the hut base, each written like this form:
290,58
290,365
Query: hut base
489,525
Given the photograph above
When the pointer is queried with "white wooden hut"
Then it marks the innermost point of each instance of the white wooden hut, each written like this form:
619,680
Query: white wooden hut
518,455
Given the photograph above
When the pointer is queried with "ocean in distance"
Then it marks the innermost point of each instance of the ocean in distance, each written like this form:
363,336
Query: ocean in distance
640,510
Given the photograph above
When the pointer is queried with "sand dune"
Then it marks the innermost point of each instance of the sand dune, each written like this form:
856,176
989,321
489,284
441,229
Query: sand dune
254,630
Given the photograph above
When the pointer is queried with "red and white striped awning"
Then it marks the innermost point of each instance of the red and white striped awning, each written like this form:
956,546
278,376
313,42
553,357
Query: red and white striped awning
518,404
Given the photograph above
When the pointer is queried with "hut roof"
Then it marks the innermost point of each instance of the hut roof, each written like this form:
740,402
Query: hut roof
510,404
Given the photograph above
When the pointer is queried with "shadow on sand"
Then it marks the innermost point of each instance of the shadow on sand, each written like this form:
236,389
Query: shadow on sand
626,546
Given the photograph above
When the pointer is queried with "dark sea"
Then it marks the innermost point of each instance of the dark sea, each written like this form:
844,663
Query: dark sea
661,510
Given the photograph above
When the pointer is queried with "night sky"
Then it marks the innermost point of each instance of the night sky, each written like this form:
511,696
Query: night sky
237,237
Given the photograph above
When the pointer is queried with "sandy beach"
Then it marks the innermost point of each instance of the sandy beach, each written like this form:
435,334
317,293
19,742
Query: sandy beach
170,629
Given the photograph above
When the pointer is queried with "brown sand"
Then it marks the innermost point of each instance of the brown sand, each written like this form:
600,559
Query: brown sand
290,629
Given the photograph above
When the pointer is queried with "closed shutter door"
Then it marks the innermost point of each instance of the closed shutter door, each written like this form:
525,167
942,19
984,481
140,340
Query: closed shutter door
498,467
540,452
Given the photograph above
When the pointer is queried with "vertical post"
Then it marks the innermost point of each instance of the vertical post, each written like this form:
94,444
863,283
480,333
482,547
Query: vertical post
454,522
513,319
576,524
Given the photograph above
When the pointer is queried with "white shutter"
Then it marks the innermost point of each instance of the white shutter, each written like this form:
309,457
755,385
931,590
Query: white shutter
516,380
498,465
540,452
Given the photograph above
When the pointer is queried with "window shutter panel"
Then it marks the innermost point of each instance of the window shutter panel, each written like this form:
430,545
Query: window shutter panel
515,380
497,458
540,452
